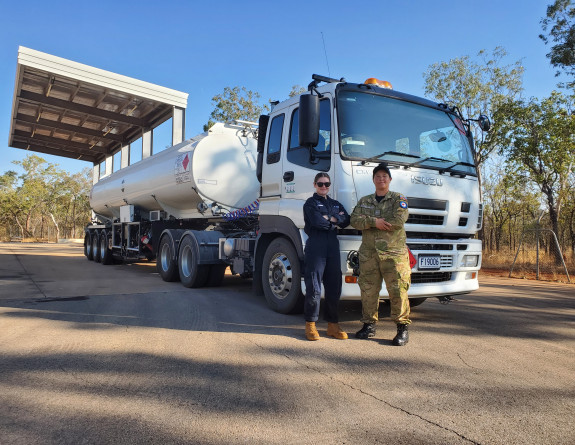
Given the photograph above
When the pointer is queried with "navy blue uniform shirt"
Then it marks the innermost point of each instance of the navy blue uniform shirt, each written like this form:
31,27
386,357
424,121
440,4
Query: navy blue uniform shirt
314,210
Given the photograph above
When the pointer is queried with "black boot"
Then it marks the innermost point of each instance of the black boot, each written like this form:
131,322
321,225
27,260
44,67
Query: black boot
402,336
367,331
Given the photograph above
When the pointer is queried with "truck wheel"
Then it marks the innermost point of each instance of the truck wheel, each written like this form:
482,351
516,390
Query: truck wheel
105,248
281,277
216,275
416,301
88,246
166,265
96,247
191,273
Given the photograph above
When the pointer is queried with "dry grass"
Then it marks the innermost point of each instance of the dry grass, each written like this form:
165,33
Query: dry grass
526,265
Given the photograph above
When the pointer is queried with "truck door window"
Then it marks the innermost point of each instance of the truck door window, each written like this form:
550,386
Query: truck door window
320,158
275,139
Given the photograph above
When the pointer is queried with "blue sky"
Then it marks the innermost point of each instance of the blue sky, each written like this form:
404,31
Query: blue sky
267,46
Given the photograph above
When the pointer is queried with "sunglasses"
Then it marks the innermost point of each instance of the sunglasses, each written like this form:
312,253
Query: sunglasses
323,184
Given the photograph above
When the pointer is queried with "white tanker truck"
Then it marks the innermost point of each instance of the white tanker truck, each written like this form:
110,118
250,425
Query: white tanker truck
233,197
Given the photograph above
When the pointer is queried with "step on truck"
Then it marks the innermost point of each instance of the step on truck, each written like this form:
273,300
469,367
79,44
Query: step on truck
233,196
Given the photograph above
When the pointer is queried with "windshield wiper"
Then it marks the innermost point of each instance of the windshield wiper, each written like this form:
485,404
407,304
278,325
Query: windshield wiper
430,158
396,153
450,168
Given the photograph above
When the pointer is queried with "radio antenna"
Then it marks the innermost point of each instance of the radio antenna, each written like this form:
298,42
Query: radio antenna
325,52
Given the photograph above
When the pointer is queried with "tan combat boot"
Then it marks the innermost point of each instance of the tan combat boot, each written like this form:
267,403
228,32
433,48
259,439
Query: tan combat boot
311,331
333,330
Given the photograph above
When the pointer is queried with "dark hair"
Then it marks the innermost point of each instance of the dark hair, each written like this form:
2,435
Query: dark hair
321,175
381,167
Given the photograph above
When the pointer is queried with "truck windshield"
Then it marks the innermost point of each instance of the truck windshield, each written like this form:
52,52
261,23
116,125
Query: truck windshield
377,128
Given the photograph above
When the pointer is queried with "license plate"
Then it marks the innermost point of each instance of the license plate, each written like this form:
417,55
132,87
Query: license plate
428,262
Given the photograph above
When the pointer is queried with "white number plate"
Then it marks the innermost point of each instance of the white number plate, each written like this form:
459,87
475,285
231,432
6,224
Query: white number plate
428,262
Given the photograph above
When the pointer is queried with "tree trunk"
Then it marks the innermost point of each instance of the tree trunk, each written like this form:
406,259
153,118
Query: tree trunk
74,217
554,217
57,227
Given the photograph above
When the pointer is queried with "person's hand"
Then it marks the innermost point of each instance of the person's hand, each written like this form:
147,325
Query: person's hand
382,224
325,217
332,219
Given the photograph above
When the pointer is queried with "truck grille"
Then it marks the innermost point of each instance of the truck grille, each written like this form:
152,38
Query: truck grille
446,261
433,220
424,246
427,204
430,277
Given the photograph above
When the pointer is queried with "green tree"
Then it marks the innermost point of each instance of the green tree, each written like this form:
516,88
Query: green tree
296,90
567,218
476,88
237,103
539,140
506,197
560,25
41,195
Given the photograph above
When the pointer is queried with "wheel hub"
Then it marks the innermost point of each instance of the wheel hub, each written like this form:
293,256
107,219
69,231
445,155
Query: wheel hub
280,276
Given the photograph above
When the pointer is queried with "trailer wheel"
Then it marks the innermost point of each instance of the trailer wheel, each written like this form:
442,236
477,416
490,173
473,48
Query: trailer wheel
416,301
216,275
96,247
88,246
166,263
106,248
281,277
192,274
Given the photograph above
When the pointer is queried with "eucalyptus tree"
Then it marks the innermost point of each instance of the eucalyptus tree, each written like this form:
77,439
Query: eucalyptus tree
476,86
559,23
236,103
538,138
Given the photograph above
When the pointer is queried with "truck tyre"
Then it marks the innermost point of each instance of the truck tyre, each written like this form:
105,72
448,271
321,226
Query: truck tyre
416,301
96,247
281,277
192,274
166,264
216,275
88,246
105,250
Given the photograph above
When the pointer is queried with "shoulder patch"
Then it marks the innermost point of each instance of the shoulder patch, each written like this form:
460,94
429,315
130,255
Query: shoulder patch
403,204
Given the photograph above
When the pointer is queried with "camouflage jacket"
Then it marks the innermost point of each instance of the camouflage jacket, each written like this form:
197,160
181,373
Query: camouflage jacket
392,208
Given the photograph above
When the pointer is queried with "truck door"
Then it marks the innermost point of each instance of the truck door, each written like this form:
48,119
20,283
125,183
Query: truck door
300,166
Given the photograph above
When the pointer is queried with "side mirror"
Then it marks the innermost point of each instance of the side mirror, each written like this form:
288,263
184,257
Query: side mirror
308,120
484,122
262,131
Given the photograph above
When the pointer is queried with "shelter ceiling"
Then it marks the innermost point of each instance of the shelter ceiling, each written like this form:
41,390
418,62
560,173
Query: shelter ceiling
69,111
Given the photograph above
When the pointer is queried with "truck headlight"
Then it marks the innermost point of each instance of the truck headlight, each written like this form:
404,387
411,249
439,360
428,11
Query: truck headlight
469,261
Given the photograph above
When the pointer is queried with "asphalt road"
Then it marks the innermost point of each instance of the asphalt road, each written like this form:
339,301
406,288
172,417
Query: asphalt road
112,354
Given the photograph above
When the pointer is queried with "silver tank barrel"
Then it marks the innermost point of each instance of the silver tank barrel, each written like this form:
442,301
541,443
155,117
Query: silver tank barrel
218,167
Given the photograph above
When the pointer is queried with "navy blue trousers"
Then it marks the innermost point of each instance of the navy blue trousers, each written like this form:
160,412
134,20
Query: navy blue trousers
322,264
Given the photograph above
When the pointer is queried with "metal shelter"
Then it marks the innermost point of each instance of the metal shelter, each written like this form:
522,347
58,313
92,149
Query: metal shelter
69,109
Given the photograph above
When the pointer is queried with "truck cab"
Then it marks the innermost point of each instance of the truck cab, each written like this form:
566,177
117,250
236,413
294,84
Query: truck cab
346,131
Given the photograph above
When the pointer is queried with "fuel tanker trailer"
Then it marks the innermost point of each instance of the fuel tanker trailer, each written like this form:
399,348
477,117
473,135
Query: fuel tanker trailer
146,210
233,196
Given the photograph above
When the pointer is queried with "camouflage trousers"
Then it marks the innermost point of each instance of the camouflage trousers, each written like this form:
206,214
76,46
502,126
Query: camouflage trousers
395,271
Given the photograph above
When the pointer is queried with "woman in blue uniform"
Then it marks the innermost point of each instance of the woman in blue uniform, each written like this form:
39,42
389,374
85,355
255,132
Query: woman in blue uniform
323,216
